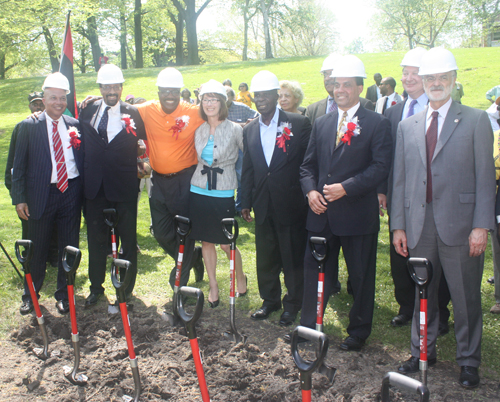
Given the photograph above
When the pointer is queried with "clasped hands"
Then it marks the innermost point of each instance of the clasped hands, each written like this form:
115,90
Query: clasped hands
331,192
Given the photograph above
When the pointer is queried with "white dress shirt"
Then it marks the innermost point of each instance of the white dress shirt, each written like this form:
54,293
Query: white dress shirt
268,136
443,111
350,114
114,120
422,102
389,100
69,157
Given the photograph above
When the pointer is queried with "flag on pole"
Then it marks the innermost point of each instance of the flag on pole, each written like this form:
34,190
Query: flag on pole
66,68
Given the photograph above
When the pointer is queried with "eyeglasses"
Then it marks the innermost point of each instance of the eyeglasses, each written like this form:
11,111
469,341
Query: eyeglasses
433,78
175,92
210,101
108,88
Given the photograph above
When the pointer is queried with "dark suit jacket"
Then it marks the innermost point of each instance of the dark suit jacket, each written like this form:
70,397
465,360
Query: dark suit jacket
278,184
359,167
33,166
10,157
113,165
318,109
371,93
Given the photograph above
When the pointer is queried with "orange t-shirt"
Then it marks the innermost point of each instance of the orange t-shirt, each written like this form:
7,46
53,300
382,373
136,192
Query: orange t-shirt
168,154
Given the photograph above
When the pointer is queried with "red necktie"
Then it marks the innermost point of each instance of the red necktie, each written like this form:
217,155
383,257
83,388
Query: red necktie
62,174
430,144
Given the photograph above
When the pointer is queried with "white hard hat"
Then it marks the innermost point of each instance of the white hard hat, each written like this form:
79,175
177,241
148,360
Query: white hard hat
329,62
110,74
264,81
349,66
413,57
56,80
213,87
437,60
170,78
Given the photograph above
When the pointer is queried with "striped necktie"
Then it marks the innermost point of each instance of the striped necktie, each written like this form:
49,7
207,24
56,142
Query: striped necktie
62,174
339,134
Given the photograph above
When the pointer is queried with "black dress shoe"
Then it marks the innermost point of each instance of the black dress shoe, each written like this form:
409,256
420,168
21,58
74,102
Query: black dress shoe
199,267
401,320
263,312
92,299
352,343
412,365
62,306
287,318
26,307
288,339
443,328
469,377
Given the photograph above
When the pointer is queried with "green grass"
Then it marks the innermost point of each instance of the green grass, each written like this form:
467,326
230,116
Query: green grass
477,74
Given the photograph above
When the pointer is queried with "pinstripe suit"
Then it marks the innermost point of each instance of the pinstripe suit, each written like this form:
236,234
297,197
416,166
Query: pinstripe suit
31,184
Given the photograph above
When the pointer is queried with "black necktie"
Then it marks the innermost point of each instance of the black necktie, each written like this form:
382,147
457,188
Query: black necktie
430,144
102,128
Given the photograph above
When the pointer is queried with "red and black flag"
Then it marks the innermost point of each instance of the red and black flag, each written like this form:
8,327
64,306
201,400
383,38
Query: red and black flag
66,68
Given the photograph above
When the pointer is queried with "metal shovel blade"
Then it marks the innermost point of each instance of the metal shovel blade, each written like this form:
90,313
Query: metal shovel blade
328,372
77,379
235,337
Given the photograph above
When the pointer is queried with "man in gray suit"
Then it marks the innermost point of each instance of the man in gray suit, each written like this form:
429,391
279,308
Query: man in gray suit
442,207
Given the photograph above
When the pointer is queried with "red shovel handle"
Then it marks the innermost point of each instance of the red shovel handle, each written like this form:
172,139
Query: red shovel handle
199,369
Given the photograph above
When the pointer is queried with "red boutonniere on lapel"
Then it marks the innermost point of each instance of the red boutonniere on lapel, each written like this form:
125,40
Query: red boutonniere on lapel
180,124
350,129
393,103
128,124
74,138
284,134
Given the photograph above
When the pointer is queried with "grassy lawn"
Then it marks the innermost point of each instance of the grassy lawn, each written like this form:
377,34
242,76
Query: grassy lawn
477,76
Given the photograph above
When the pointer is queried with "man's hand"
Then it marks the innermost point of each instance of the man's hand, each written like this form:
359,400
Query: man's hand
245,214
316,202
382,203
333,192
399,241
22,211
35,115
141,148
478,239
89,100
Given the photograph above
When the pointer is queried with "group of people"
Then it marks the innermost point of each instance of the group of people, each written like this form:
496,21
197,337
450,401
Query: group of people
329,170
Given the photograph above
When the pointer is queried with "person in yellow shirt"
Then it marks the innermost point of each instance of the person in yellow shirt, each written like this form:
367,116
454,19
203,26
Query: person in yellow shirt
170,126
244,96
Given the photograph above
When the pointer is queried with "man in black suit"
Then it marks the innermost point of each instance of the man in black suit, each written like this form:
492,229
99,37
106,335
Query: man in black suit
274,147
328,104
373,92
339,176
111,128
46,184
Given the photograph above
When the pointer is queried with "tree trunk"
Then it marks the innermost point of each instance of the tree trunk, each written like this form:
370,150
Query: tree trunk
83,67
192,37
245,32
2,65
139,61
179,37
123,40
267,36
93,38
54,61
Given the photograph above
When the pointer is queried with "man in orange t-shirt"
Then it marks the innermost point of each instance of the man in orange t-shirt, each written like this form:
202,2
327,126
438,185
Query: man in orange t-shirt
170,127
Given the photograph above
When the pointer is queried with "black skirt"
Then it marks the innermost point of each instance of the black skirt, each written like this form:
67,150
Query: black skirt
206,214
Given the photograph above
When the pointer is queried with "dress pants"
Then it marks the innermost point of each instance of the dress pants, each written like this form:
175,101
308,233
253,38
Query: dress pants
360,254
280,247
495,246
463,274
170,197
99,238
62,210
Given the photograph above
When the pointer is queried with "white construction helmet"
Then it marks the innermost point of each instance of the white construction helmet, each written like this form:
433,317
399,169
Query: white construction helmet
349,66
170,78
437,60
110,74
56,80
329,62
264,81
213,87
413,57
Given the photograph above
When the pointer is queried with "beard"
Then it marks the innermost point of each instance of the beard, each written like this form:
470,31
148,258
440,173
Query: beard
439,93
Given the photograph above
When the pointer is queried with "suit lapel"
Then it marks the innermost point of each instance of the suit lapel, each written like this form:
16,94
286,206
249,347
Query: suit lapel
333,138
419,136
449,125
254,141
280,156
42,122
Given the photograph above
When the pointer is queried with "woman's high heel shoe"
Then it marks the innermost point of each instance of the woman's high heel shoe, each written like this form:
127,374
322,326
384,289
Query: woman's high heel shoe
246,285
213,304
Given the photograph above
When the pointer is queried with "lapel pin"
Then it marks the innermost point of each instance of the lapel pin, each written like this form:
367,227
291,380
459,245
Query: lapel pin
456,120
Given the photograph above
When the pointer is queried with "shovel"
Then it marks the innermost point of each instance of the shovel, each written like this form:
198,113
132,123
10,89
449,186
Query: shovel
11,262
111,219
227,225
422,283
122,268
307,367
25,262
405,383
190,322
183,228
70,270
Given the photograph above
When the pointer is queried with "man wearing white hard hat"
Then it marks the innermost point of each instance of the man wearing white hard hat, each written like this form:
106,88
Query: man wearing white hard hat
328,104
339,176
170,126
111,128
47,186
274,147
443,204
404,287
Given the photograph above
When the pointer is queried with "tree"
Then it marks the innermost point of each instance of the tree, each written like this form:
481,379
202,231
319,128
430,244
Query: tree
248,9
265,6
139,61
487,12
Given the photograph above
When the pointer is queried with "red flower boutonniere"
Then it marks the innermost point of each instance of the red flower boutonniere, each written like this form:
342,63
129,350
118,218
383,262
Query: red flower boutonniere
128,124
393,103
284,134
350,129
180,124
74,138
